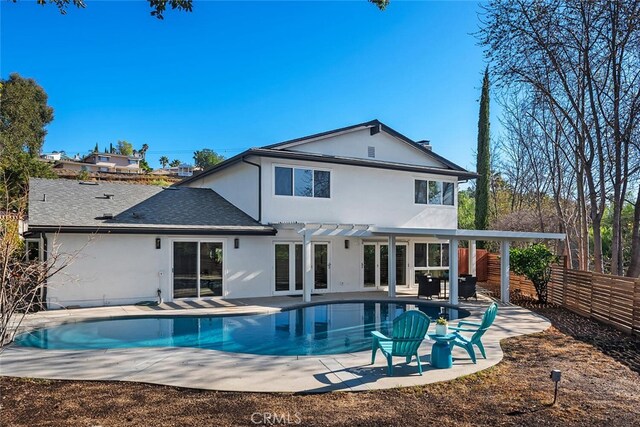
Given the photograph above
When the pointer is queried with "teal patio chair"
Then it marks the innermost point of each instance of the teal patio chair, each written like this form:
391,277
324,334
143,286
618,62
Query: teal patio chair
478,331
409,330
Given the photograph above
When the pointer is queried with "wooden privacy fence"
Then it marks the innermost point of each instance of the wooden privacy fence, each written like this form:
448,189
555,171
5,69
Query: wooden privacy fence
614,300
482,257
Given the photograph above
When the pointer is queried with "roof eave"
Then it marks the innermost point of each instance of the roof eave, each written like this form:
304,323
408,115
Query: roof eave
461,173
69,229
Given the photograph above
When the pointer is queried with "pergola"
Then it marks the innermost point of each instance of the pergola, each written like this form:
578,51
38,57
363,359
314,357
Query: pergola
309,230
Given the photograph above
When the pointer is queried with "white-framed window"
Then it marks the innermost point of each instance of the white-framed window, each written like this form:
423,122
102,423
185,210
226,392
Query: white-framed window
302,182
103,158
133,161
431,192
431,255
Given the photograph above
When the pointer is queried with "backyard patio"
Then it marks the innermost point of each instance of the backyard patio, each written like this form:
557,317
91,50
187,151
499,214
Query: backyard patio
600,365
229,371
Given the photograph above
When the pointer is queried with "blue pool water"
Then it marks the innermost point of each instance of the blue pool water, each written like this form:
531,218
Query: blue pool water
312,330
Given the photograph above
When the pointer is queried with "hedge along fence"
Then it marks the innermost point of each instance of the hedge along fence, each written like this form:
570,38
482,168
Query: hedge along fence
614,300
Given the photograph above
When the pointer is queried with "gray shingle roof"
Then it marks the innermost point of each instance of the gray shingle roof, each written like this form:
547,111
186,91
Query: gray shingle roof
69,205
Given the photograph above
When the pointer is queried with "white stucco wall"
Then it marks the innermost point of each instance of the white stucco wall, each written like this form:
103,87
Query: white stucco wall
356,144
359,195
107,270
127,269
238,184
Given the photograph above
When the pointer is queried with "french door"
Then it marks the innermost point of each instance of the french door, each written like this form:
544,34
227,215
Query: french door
197,269
375,265
289,267
321,267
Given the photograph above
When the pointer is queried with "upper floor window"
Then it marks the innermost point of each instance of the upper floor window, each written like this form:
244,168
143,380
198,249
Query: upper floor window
434,192
302,182
103,158
133,161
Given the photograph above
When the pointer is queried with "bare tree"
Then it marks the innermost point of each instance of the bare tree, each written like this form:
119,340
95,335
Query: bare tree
22,278
580,61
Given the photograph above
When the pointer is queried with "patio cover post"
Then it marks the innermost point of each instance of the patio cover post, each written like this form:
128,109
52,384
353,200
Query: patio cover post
307,281
504,271
392,266
453,271
472,257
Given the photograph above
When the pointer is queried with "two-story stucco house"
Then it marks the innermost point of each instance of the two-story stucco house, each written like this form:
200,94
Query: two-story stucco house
353,209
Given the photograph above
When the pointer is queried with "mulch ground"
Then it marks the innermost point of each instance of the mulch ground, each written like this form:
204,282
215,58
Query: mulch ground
600,386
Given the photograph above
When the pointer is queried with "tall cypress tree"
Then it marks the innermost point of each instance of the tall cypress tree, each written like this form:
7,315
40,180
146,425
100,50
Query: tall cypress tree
483,160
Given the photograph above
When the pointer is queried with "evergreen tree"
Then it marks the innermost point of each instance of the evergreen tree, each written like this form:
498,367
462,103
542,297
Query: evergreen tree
483,160
96,149
24,116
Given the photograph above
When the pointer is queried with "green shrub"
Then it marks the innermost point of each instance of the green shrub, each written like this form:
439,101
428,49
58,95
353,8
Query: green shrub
534,262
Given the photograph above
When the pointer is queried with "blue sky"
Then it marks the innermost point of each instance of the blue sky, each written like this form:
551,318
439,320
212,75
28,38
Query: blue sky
234,75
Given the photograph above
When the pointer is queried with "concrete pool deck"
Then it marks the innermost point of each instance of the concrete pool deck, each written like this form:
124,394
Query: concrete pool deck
217,370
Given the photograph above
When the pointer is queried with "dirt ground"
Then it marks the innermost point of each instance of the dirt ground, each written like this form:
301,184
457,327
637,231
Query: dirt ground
600,386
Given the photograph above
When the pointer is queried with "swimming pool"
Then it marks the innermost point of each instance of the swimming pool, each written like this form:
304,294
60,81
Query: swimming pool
312,330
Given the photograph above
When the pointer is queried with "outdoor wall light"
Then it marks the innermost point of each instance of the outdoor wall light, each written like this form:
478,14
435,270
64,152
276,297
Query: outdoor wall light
236,243
346,244
158,244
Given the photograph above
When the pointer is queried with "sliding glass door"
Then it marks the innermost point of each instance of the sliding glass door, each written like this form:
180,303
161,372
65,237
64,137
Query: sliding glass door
210,269
197,269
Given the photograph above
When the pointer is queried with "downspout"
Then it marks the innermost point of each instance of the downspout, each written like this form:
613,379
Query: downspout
43,291
244,160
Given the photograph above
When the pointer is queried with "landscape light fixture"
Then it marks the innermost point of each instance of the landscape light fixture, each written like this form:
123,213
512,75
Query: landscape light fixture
555,377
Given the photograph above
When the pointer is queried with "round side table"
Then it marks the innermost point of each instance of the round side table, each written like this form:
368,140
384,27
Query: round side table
441,351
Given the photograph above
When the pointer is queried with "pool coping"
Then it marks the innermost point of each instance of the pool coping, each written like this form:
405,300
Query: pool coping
226,371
